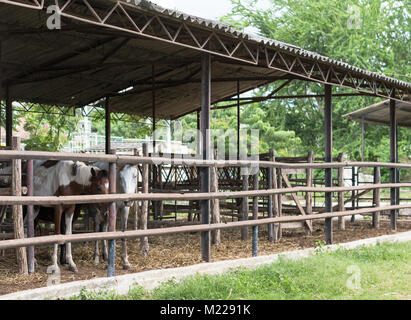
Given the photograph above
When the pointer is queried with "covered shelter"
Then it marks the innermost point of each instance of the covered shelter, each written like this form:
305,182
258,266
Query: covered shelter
141,59
379,114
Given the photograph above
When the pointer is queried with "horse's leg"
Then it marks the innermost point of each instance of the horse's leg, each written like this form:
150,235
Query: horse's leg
57,221
96,229
69,224
124,219
63,260
105,229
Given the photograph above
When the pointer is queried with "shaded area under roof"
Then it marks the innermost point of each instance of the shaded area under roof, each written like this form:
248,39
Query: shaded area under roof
379,113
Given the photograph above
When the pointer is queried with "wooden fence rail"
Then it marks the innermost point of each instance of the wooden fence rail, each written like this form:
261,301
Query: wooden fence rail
17,200
90,199
97,236
40,155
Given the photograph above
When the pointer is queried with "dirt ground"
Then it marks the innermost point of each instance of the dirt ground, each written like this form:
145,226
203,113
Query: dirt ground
177,251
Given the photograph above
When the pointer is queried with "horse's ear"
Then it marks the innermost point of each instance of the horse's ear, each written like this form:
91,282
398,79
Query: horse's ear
103,174
74,169
93,173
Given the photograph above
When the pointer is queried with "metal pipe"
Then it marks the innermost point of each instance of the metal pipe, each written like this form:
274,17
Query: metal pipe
108,125
393,159
205,130
328,158
255,217
30,216
238,119
111,266
9,118
153,93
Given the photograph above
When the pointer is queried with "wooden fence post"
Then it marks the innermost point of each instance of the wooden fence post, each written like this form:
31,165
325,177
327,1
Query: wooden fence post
271,203
30,215
111,266
255,216
144,246
244,207
376,196
215,205
341,220
18,209
309,182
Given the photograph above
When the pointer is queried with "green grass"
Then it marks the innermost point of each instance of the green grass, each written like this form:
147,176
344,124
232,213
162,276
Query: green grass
385,273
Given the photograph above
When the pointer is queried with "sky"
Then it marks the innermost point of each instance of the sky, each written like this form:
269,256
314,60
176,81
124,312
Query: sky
210,9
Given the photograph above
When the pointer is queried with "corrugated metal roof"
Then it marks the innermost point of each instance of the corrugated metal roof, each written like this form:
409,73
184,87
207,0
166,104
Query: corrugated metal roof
379,113
292,49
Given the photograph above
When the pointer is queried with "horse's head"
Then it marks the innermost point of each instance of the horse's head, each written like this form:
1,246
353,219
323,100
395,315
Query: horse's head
99,181
128,180
99,185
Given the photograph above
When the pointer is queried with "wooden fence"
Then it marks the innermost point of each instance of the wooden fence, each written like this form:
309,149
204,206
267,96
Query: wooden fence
274,222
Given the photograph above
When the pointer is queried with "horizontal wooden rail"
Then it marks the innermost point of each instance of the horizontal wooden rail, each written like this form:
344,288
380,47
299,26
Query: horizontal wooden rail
40,155
97,236
109,198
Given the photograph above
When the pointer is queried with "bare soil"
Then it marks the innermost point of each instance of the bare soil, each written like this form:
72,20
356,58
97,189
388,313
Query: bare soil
177,251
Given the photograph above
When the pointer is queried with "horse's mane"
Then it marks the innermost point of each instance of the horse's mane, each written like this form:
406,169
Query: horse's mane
82,173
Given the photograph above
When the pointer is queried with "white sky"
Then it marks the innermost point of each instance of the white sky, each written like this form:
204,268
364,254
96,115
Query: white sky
210,9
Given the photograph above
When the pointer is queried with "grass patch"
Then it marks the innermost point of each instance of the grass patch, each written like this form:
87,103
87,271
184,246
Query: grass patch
380,272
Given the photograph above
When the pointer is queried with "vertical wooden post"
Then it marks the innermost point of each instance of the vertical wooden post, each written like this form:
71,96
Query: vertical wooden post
393,159
215,205
270,183
341,220
136,205
328,158
30,215
244,207
255,217
278,227
144,246
205,130
376,196
18,209
353,193
111,266
309,183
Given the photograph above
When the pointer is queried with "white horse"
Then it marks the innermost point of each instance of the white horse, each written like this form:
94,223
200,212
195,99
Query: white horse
126,183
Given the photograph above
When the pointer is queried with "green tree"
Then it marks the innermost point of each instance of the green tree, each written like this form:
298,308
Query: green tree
48,131
379,41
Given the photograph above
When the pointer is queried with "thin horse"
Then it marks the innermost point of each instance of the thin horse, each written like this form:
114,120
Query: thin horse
67,178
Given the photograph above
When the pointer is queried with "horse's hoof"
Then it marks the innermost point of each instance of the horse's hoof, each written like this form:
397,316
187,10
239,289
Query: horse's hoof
73,269
96,262
126,266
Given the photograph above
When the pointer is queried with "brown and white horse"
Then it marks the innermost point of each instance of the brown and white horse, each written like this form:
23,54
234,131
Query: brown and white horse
67,178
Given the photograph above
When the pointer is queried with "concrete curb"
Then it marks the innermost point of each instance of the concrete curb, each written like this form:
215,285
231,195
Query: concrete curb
151,279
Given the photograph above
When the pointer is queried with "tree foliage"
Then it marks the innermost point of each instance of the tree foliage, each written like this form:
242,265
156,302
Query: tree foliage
48,131
370,34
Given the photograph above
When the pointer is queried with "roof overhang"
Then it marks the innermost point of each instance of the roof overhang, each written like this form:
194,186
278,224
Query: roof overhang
106,47
379,113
